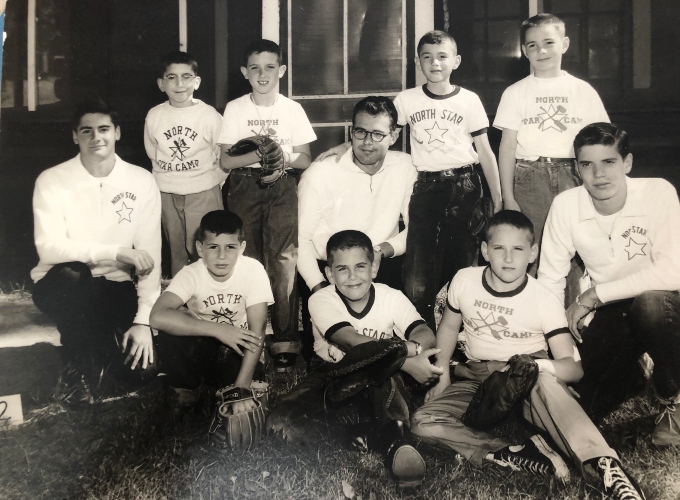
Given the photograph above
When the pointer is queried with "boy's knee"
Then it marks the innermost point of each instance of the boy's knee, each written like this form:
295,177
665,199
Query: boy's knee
72,272
649,308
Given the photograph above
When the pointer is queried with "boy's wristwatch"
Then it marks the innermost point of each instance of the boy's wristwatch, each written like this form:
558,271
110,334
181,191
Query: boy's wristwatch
419,348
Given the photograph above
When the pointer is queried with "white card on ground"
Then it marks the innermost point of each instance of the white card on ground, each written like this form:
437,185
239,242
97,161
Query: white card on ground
11,412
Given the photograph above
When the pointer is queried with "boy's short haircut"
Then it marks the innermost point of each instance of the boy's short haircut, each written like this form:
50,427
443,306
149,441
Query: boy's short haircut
346,240
376,105
435,37
93,106
512,218
262,45
220,222
178,57
540,20
602,134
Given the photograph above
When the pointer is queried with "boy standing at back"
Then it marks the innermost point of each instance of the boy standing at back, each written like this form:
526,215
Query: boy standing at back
506,313
540,116
269,211
180,137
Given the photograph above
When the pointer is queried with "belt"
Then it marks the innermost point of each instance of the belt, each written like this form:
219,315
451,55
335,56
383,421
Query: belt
255,172
548,159
451,173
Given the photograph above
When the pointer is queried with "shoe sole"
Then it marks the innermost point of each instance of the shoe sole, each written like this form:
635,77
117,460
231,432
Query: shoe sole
561,469
408,467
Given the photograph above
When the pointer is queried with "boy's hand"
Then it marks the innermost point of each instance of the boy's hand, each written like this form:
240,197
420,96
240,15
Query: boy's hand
438,388
238,337
243,406
337,150
141,346
420,368
140,259
511,204
575,316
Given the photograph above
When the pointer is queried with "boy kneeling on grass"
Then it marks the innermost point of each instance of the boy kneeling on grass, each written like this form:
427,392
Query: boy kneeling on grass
506,312
355,311
218,338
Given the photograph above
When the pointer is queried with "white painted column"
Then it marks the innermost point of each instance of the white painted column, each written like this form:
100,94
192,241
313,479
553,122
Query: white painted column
270,20
642,44
183,31
533,7
424,22
32,90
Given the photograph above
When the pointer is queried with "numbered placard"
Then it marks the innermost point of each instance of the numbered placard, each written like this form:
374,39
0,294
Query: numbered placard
11,412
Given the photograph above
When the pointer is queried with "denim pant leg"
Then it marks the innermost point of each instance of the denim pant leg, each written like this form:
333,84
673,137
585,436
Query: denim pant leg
174,230
609,355
280,246
655,321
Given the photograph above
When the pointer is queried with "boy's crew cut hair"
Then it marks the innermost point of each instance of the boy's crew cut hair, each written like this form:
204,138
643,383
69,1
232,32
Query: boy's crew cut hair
540,20
93,106
602,134
376,105
178,57
262,45
220,222
346,240
512,218
435,37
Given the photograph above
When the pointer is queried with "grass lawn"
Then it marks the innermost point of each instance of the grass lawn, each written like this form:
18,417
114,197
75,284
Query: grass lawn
125,448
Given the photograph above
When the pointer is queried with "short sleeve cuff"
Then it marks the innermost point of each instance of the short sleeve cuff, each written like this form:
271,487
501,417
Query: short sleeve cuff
329,333
413,326
558,331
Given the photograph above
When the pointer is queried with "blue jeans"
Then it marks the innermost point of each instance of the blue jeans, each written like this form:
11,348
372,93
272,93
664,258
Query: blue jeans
270,223
613,343
536,185
439,241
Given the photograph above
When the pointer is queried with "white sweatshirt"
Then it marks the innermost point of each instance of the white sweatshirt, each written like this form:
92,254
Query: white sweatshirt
81,218
333,197
642,252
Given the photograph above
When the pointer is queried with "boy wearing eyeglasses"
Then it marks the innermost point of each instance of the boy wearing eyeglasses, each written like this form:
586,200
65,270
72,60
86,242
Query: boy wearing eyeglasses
180,137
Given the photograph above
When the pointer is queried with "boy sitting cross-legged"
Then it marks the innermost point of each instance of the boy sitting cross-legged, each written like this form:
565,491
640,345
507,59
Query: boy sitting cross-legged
506,312
355,311
218,338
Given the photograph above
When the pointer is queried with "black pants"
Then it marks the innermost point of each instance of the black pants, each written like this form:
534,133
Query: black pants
190,361
613,343
92,315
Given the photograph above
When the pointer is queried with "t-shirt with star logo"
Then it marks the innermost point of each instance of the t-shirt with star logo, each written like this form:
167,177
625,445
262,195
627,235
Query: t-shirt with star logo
442,127
223,302
500,324
547,113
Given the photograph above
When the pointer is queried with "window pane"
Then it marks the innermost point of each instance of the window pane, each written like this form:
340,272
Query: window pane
502,8
326,138
52,52
317,47
573,55
604,51
14,55
374,45
472,54
560,6
504,51
602,5
464,8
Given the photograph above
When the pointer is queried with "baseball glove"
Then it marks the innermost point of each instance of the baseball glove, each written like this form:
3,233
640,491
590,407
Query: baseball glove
271,156
371,363
497,396
241,430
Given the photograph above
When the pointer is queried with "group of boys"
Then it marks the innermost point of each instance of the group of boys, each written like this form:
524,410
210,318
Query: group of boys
555,137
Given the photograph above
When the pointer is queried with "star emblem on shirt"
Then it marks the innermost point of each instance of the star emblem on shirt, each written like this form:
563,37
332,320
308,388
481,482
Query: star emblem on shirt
179,149
489,324
634,248
124,213
436,133
224,315
552,118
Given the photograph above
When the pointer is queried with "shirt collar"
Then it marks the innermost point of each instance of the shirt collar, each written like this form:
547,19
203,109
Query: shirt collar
348,161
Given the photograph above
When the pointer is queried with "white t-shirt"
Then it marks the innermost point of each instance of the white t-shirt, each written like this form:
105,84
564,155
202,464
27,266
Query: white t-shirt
547,113
388,313
500,324
285,122
223,302
442,126
182,145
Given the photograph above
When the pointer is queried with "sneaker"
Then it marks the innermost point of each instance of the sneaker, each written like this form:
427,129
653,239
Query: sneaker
667,431
617,483
535,457
405,464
